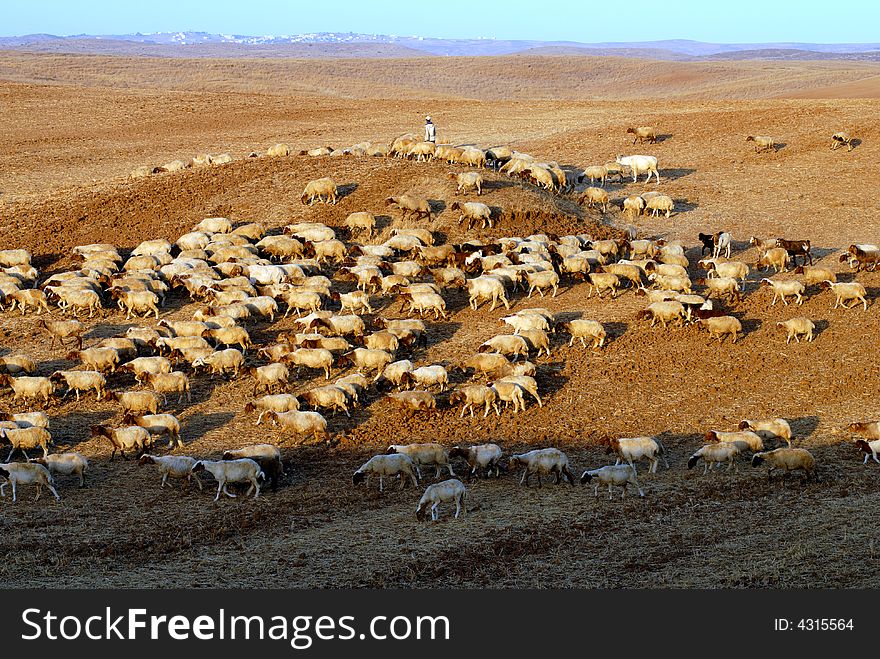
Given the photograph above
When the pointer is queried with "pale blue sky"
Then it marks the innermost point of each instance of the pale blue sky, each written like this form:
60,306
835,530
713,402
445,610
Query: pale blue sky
618,20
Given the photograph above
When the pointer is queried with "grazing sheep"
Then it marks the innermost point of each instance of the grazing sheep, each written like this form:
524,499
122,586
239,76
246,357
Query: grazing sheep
172,466
719,326
322,189
122,439
81,381
752,440
869,429
157,425
486,288
660,204
670,311
414,401
776,257
727,287
13,257
272,403
643,134
66,464
448,490
425,377
633,449
301,423
169,383
29,387
814,274
782,288
242,470
633,205
386,465
271,375
775,429
316,358
30,297
18,364
63,329
716,453
96,359
543,461
762,142
611,475
265,455
468,181
26,473
474,396
221,362
539,281
596,173
27,419
786,459
330,397
410,204
586,329
474,212
362,221
278,150
508,392
796,248
597,196
842,138
603,281
137,401
510,345
797,327
482,456
846,291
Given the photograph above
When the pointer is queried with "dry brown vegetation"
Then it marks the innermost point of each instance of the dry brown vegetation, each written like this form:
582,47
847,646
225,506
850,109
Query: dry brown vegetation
76,125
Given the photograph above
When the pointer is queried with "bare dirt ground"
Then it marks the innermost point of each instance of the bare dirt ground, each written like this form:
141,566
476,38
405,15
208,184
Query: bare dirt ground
66,148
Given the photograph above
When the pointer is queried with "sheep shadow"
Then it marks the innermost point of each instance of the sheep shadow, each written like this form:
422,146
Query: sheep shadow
659,139
345,190
750,325
437,206
74,426
803,426
856,143
777,147
676,173
614,330
197,425
43,262
106,330
550,378
684,206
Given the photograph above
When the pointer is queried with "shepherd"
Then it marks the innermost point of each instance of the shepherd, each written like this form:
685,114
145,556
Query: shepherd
430,130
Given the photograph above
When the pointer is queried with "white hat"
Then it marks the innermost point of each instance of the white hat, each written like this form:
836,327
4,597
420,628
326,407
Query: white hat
428,118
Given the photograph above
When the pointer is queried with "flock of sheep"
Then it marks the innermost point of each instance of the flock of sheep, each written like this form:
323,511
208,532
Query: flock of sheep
245,274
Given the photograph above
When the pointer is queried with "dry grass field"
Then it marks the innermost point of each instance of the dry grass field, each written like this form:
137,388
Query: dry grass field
75,125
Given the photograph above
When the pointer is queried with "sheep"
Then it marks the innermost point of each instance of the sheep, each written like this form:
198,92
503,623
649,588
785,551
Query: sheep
539,281
633,449
66,464
797,327
131,437
157,425
472,156
537,340
330,397
642,134
762,142
386,465
448,490
660,204
355,302
27,419
273,403
508,345
322,189
411,402
485,288
509,391
172,466
426,376
424,455
318,151
96,359
474,396
340,325
29,387
633,205
221,362
142,366
611,475
603,281
586,329
382,340
280,149
722,287
869,449
721,241
361,221
776,257
301,423
468,181
29,297
527,383
783,288
845,291
796,248
137,401
81,381
18,364
473,212
716,453
786,459
63,329
265,455
22,439
412,205
841,138
666,312
13,257
317,358
598,196
543,462
670,283
776,429
269,376
639,164
814,274
868,429
751,439
721,325
596,173
25,473
242,470
762,244
482,456
366,359
229,336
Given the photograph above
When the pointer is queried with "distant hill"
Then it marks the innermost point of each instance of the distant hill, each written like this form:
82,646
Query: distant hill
355,45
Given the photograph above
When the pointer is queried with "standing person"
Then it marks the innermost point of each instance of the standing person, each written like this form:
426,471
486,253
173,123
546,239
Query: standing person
430,130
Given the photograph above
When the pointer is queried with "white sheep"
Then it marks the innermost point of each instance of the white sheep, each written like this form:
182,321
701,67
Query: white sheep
272,403
797,327
424,455
846,291
582,329
482,456
242,470
713,454
639,164
751,439
611,475
387,465
786,459
782,288
301,423
26,473
173,466
776,429
437,493
543,461
66,464
633,449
